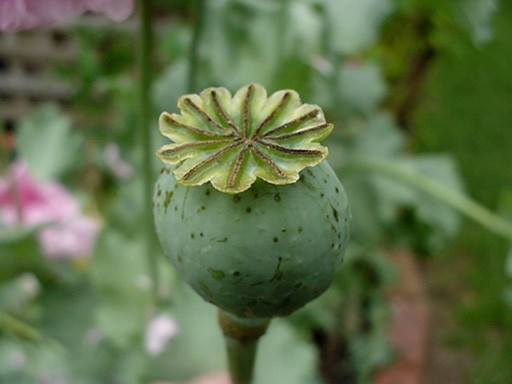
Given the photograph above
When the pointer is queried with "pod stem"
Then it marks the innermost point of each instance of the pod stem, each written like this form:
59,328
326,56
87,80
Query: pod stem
241,336
145,128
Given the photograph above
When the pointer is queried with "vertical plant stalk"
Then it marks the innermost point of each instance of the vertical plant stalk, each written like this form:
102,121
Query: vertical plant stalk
5,157
193,59
241,337
4,149
145,130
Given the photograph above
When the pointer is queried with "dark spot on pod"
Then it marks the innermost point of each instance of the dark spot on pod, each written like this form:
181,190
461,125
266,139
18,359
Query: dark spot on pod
277,197
283,230
248,209
237,198
216,274
162,170
236,273
158,192
224,240
335,214
298,285
201,208
176,207
201,234
310,172
192,235
300,229
179,259
308,185
275,239
337,190
256,195
208,192
168,198
322,195
278,275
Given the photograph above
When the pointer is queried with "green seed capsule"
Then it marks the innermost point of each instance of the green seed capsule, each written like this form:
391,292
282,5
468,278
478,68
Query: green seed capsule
247,208
261,253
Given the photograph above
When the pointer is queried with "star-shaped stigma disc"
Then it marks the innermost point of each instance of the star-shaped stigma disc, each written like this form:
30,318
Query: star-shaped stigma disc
233,140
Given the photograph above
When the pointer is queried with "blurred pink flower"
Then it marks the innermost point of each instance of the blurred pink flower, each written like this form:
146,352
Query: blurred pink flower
24,14
73,237
26,202
118,166
160,330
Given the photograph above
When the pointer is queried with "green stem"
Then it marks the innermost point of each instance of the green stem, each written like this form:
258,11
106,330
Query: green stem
193,64
461,203
18,328
241,337
4,149
145,132
11,325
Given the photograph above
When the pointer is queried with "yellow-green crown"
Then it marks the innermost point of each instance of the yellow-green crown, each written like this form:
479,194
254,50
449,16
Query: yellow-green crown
233,140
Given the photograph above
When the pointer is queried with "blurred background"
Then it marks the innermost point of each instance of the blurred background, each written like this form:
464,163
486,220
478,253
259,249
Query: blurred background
420,93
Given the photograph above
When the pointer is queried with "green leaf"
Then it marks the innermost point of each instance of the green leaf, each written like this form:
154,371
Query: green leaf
508,265
507,294
443,221
28,363
354,25
69,318
48,143
14,234
377,200
465,109
362,86
198,347
379,137
124,295
477,17
236,35
303,33
284,356
371,349
170,86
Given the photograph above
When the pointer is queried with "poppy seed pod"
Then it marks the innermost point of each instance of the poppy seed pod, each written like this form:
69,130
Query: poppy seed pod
246,207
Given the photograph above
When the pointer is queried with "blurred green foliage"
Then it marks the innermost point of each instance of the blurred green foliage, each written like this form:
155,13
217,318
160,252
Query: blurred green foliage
465,110
427,75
